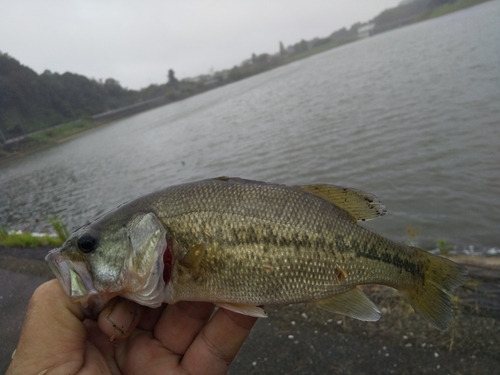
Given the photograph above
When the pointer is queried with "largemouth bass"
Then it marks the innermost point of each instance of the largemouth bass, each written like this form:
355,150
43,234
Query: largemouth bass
242,244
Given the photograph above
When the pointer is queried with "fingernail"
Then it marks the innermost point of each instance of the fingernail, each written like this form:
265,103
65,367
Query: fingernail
121,315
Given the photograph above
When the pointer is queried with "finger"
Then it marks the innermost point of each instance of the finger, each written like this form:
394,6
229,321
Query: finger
160,351
103,344
181,323
53,335
141,353
150,318
217,344
119,318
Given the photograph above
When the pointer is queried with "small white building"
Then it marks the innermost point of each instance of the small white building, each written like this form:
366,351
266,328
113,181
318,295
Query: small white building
365,31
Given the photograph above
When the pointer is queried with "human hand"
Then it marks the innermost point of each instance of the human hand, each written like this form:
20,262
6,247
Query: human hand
175,339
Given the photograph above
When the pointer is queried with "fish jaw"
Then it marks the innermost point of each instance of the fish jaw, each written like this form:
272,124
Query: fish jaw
76,281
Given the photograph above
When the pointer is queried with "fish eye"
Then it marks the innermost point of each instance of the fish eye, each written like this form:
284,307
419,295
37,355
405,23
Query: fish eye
87,243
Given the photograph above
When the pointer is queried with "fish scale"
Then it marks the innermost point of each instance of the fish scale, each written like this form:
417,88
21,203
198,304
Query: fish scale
244,257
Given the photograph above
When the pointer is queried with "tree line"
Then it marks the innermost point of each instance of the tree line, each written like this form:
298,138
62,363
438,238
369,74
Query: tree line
406,13
31,101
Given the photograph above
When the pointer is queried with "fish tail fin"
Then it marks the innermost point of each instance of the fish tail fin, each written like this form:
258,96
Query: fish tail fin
431,299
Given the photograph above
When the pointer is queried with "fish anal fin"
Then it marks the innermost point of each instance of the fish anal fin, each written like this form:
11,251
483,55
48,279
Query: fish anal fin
360,205
193,258
353,303
241,308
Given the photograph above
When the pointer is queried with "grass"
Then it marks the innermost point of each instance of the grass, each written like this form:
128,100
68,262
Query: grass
444,246
316,50
27,239
60,228
46,138
413,236
62,131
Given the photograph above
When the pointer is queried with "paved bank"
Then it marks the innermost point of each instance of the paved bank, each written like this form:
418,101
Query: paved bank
21,272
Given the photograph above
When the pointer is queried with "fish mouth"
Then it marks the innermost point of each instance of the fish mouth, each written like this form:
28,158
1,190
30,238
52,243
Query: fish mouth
76,281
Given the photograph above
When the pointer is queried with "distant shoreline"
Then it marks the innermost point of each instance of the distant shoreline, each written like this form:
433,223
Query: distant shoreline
28,146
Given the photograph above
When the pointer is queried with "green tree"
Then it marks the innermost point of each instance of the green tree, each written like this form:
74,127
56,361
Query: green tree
301,46
30,102
401,14
113,88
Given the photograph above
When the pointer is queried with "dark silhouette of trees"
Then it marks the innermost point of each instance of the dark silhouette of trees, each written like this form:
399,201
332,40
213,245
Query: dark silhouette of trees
30,102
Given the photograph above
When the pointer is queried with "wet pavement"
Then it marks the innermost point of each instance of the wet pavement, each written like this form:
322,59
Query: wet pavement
21,272
304,339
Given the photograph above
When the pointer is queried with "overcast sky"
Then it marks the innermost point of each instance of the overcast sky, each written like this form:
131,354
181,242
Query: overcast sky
137,41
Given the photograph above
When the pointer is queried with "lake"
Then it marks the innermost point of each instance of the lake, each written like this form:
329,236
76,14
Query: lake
411,115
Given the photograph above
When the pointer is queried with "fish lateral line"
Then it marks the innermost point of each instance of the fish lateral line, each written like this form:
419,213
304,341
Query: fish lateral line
391,259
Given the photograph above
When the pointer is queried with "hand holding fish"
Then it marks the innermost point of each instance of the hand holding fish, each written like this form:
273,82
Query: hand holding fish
126,338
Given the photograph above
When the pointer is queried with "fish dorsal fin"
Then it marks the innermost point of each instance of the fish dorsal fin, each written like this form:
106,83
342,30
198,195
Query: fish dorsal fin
353,303
360,205
193,258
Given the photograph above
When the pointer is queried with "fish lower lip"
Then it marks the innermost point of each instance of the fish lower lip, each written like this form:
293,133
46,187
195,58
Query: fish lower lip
61,269
73,276
77,283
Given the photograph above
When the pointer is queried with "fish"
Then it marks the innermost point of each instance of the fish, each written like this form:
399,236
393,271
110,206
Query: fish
243,244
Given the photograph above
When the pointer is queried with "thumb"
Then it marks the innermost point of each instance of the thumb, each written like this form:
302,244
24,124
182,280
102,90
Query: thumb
53,334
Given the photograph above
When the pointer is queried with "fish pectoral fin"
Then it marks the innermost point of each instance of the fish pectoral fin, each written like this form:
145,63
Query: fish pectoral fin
193,258
360,205
241,308
353,303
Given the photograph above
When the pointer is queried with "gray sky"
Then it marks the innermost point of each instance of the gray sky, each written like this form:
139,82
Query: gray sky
137,41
